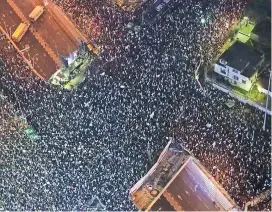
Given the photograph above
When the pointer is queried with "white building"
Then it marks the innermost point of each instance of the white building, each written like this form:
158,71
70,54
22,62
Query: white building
239,65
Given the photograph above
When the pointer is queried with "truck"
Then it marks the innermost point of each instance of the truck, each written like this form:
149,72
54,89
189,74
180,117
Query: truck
36,13
20,32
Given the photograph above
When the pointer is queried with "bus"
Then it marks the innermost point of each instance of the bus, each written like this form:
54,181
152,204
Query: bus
36,13
20,32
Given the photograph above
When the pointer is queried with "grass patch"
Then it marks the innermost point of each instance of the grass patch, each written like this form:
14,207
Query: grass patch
255,95
246,29
240,90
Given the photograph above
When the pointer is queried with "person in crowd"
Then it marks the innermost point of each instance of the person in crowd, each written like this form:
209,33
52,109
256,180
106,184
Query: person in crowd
94,140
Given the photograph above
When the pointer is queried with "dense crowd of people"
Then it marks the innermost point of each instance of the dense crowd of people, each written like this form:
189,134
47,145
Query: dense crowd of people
96,140
265,205
98,20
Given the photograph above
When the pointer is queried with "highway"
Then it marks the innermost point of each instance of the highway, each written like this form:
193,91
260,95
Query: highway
50,38
50,28
162,205
190,194
43,63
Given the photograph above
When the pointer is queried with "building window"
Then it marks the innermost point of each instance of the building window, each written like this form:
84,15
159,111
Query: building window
235,71
223,62
223,71
243,81
235,77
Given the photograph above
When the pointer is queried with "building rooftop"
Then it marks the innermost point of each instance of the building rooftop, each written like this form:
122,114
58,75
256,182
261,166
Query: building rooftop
242,58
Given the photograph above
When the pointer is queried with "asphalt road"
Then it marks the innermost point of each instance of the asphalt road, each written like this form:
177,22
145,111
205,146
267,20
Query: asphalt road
162,205
43,63
49,27
190,197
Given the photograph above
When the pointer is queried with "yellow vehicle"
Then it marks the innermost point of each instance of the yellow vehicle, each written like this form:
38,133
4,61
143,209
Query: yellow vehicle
20,32
93,48
36,13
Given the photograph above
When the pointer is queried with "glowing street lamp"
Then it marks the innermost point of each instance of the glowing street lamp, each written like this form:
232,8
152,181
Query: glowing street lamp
203,20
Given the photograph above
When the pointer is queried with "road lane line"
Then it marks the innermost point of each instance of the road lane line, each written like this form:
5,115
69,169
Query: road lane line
199,198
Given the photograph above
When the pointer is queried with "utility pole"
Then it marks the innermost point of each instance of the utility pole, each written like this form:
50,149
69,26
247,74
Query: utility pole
142,17
33,60
17,100
10,30
197,75
148,151
6,28
265,114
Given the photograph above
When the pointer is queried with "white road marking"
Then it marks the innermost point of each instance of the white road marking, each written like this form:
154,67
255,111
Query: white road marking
199,198
206,206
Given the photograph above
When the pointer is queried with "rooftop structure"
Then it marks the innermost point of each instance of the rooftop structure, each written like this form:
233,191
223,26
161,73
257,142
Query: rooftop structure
179,182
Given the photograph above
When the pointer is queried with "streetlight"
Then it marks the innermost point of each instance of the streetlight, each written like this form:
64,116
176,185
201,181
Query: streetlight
267,97
10,32
33,60
56,47
6,28
142,17
203,20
